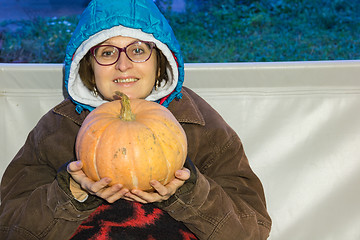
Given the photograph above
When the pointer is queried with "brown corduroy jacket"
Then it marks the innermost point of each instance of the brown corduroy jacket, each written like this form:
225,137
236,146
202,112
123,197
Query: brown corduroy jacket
226,201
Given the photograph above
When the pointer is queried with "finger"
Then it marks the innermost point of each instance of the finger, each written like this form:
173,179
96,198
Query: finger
136,195
107,192
183,174
74,166
149,197
114,193
94,187
161,189
128,199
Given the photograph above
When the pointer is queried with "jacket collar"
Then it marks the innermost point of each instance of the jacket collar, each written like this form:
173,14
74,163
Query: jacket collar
67,108
184,110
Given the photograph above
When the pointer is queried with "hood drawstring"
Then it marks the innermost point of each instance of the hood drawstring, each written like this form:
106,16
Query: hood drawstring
79,109
165,103
179,95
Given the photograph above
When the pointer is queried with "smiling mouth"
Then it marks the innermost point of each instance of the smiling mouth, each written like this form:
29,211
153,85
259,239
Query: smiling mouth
127,80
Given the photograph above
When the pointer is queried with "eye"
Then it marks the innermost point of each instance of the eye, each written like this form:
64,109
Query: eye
106,52
137,50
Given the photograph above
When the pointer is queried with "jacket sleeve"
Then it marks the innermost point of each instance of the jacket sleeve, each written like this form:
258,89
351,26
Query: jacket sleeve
227,201
33,205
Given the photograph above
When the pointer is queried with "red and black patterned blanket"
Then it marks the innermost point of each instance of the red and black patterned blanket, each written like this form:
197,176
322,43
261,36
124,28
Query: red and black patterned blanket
127,220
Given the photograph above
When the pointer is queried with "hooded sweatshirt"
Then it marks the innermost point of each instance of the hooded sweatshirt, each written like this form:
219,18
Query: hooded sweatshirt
139,19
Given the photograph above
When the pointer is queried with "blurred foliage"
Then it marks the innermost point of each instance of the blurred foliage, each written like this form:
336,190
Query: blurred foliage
218,31
42,40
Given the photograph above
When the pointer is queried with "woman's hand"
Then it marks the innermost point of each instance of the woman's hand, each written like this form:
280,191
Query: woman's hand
161,192
100,188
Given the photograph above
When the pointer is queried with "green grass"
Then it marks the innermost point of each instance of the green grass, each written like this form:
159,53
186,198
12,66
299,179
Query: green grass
261,31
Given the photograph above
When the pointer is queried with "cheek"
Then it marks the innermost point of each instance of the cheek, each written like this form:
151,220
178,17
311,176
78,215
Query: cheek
155,70
95,69
98,74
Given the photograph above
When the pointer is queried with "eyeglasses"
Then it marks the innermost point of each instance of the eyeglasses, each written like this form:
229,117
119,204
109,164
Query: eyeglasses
137,52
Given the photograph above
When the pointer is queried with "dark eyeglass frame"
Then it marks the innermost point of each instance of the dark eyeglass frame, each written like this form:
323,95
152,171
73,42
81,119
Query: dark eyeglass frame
120,50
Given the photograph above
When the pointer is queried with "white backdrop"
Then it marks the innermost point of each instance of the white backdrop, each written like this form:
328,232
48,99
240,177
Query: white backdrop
299,122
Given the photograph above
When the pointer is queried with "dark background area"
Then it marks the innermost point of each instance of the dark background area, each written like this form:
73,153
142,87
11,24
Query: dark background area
208,30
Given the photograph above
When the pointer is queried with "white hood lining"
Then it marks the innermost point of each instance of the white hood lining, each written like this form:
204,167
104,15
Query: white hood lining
80,93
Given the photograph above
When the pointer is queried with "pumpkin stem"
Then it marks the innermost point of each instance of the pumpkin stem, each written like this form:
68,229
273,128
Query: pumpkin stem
125,112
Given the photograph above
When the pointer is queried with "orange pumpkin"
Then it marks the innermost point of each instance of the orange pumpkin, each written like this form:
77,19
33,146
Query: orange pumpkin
132,142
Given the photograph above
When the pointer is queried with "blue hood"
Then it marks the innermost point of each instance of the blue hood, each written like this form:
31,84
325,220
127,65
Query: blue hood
140,19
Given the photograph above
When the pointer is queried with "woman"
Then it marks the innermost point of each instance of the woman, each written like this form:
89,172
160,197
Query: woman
128,46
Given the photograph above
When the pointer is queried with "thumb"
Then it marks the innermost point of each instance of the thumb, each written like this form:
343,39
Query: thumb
182,174
74,166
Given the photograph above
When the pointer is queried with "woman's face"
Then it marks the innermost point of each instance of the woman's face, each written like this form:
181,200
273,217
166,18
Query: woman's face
136,80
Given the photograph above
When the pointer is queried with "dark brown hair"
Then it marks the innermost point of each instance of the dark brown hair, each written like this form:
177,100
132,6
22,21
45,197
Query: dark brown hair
87,74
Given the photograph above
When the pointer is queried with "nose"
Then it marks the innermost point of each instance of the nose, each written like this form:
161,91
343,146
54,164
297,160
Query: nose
123,62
